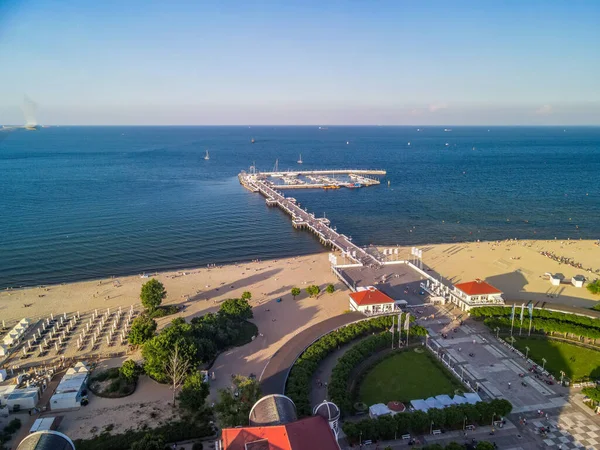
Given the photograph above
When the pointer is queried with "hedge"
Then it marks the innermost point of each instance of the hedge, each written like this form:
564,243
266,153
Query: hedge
548,321
340,376
298,384
419,422
171,432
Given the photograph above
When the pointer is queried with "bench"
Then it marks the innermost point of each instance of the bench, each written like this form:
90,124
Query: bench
434,432
406,437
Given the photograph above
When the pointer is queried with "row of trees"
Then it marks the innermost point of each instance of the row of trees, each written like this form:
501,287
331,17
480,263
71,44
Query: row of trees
342,372
418,422
547,326
299,382
547,321
313,290
505,311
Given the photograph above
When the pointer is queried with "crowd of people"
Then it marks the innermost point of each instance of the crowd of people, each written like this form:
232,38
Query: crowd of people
570,261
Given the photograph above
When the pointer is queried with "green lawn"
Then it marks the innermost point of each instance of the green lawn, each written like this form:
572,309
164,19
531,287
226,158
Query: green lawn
403,377
576,362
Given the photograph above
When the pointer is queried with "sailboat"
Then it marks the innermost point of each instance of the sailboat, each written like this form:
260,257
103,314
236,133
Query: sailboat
207,157
300,159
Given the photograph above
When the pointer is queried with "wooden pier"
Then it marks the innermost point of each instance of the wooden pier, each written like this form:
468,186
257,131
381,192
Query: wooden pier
302,219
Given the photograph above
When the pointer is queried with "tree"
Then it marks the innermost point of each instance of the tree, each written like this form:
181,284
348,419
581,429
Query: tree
313,290
149,442
295,292
176,370
130,370
238,308
330,289
142,329
152,295
234,404
157,351
194,392
594,287
246,295
484,445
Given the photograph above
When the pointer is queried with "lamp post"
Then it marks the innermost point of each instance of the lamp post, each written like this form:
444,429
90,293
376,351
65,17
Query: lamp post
543,363
493,416
360,439
562,375
431,428
497,332
465,423
526,352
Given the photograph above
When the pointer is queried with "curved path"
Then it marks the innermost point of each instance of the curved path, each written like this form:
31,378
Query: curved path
274,376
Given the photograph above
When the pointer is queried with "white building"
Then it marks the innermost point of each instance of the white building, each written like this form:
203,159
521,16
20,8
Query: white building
379,409
19,399
578,281
68,392
371,301
475,293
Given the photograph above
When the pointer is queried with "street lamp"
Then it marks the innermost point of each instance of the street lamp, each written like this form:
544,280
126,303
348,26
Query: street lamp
543,363
465,422
360,439
431,428
497,332
562,375
526,352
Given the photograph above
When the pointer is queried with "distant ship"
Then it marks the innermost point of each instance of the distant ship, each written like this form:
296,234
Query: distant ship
252,141
447,129
300,159
206,156
323,128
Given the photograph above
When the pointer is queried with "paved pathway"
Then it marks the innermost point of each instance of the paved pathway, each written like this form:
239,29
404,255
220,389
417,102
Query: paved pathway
272,380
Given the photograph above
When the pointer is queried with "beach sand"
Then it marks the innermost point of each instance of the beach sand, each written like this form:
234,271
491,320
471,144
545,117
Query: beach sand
206,288
515,267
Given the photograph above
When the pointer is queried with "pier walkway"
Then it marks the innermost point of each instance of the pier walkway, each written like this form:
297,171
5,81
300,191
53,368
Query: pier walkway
304,219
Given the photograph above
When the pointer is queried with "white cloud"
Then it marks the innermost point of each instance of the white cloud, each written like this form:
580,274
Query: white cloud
437,107
544,110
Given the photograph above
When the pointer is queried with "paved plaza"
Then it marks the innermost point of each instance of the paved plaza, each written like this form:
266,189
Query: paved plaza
398,281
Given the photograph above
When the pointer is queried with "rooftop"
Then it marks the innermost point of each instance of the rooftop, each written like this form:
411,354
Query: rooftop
477,287
370,296
306,434
274,409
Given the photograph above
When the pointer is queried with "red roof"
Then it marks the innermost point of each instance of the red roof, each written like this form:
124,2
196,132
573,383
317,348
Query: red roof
303,434
370,296
477,287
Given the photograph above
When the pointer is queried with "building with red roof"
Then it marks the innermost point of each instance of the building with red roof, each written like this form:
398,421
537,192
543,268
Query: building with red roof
305,434
475,293
371,301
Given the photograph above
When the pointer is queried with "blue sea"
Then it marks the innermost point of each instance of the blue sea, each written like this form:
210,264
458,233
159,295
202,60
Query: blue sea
88,202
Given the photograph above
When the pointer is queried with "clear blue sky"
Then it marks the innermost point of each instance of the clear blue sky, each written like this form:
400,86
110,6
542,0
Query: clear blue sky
301,62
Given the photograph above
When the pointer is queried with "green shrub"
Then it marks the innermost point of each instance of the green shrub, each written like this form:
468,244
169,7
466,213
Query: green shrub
162,311
299,381
418,422
114,386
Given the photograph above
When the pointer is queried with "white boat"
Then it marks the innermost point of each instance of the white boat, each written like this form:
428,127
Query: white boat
409,143
300,159
206,157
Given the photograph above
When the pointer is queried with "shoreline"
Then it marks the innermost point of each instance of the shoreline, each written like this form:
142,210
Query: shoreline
228,263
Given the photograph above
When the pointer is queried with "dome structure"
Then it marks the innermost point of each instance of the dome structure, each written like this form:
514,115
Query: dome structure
331,413
327,410
46,440
274,409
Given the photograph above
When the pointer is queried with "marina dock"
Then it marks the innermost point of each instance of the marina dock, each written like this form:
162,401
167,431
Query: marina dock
302,219
315,179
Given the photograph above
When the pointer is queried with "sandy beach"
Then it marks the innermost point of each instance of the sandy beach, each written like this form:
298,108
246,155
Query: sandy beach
515,267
